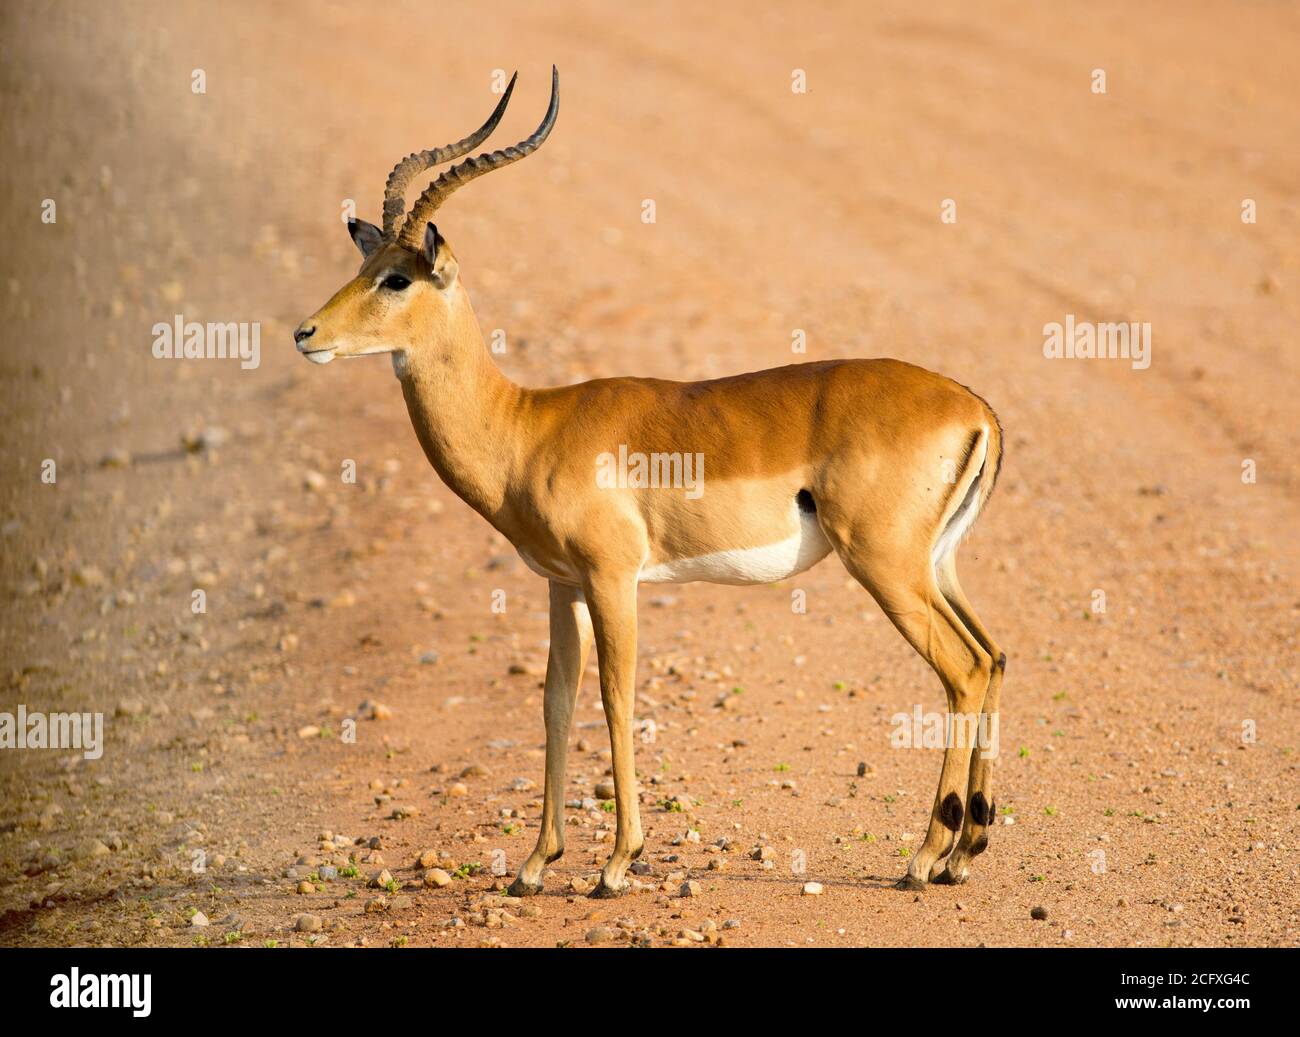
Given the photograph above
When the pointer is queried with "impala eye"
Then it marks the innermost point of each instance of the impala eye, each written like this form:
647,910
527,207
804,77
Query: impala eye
395,282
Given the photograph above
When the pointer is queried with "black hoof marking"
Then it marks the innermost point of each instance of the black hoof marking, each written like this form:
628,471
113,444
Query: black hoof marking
520,888
909,882
993,812
555,856
637,852
604,892
1002,661
950,812
979,846
979,809
944,878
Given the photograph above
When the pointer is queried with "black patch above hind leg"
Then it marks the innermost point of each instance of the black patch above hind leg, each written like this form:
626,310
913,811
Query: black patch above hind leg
950,812
979,809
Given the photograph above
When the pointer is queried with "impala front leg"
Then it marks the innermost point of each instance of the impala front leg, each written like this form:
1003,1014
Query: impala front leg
613,614
570,642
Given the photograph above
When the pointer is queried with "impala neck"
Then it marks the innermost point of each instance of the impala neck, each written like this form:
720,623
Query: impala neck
465,411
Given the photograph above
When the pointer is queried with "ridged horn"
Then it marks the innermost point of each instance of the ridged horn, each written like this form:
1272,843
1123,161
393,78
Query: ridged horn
413,165
412,233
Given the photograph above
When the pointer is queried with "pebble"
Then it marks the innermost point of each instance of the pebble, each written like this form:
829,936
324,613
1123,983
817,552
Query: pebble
1039,914
306,887
199,919
604,790
812,889
307,923
381,879
691,888
601,934
436,878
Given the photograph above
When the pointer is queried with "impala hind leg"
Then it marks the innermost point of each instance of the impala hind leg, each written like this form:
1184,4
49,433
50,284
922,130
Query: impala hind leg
571,636
613,616
911,598
980,807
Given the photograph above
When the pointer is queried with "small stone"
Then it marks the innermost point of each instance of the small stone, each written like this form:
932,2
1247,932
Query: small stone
1039,914
92,848
427,859
307,923
199,919
812,889
374,711
381,879
88,576
436,878
116,458
376,905
601,934
690,888
604,790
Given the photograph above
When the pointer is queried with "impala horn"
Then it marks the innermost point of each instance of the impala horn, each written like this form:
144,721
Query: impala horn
436,193
413,165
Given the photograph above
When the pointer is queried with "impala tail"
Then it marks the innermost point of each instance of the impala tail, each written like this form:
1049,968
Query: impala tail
976,477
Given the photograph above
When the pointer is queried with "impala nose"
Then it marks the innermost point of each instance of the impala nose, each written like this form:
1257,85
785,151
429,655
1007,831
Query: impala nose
304,332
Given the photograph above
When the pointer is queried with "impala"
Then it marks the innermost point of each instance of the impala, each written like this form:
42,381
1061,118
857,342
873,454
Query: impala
886,464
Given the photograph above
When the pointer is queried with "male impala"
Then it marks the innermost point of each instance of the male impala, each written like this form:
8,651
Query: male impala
883,463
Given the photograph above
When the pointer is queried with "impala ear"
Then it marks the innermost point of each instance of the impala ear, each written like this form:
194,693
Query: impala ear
437,253
366,236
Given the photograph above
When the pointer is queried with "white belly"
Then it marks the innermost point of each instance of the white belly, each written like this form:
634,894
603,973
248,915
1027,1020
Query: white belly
766,564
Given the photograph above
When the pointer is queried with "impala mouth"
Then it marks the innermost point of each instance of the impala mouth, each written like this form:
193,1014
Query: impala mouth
319,356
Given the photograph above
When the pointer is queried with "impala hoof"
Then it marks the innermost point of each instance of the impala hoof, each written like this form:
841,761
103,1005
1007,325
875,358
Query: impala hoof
911,883
948,878
604,892
520,888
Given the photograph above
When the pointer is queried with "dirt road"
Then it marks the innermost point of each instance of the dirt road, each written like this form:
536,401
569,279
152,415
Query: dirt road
1138,560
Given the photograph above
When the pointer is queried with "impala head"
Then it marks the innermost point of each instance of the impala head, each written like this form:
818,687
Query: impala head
407,290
